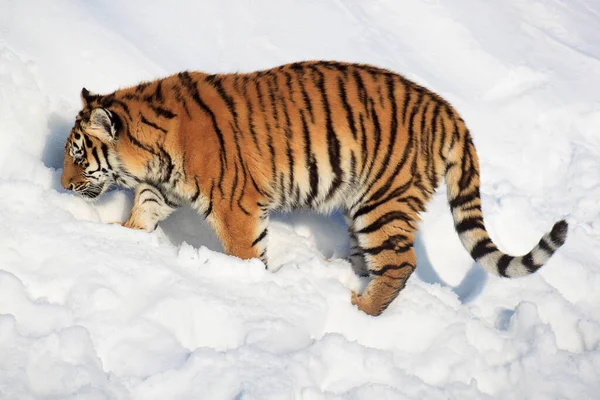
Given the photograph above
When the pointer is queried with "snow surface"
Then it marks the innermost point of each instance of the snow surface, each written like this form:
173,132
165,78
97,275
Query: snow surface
96,311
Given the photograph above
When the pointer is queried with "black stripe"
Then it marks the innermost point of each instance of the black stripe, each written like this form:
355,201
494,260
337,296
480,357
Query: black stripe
378,91
392,267
398,243
166,161
104,149
352,174
443,135
363,145
151,124
162,112
261,102
414,203
148,190
361,90
250,117
376,140
430,167
124,106
414,111
244,175
529,263
233,186
375,70
473,207
333,65
192,89
160,194
386,219
260,237
243,191
502,264
371,206
272,87
407,90
347,107
483,248
141,87
467,171
288,84
152,200
210,202
434,130
183,162
158,96
197,194
217,83
333,144
455,133
107,99
288,141
424,143
181,99
262,258
311,164
139,144
543,245
464,198
262,193
299,71
95,155
469,224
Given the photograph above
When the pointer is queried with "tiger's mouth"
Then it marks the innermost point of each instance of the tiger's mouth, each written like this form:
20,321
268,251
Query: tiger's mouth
90,192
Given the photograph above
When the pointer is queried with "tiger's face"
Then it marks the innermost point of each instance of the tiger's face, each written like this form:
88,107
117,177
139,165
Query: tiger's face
86,169
90,163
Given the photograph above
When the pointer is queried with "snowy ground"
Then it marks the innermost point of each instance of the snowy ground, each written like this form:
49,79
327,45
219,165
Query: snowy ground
95,311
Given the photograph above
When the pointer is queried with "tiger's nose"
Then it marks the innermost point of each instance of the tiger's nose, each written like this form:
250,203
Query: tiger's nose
67,183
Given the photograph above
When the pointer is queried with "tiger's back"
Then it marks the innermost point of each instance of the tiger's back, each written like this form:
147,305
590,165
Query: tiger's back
319,135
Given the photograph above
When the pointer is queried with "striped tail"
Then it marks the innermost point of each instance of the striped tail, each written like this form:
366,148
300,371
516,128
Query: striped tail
462,179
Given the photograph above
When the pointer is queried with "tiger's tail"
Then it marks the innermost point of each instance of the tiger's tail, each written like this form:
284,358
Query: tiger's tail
462,180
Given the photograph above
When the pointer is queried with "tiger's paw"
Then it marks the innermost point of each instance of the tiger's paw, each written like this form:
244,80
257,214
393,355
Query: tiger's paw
355,298
365,304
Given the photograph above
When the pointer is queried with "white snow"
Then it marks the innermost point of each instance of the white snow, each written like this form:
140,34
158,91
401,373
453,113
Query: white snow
96,311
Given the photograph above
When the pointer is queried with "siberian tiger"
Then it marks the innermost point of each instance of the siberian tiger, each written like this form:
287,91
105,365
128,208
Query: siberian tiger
319,135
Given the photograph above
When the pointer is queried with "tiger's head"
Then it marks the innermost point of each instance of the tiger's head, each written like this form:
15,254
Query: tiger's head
91,164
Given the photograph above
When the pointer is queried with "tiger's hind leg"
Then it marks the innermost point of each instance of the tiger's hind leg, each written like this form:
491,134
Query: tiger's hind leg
386,237
357,257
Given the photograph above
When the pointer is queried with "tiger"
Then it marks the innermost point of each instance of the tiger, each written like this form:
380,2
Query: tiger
320,135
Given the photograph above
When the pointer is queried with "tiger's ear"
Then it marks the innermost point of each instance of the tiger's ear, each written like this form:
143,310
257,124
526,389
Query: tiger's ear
87,97
103,124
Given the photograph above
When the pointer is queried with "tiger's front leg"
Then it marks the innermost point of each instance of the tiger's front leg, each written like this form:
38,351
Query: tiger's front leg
241,228
149,208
